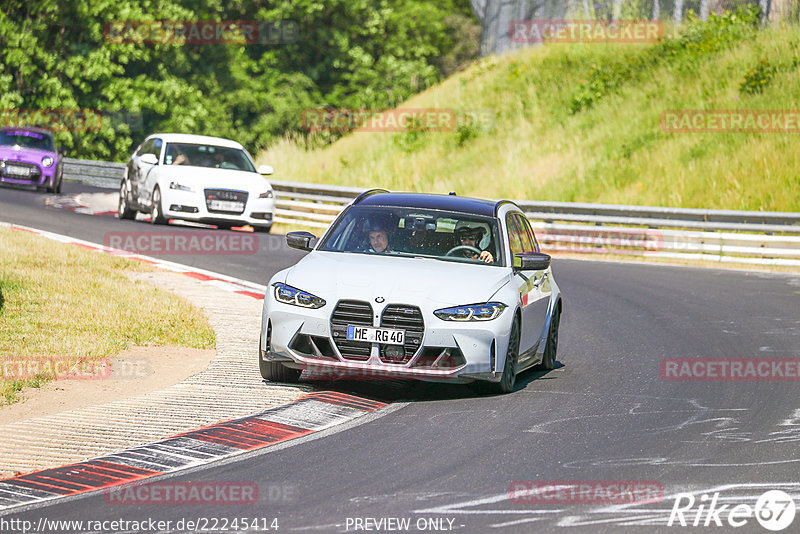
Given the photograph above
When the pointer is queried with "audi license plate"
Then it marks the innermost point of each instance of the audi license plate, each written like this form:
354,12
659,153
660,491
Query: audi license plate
387,336
18,171
226,205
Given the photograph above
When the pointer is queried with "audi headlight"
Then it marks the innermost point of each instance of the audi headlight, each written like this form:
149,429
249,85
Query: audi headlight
180,187
266,194
471,312
296,297
47,161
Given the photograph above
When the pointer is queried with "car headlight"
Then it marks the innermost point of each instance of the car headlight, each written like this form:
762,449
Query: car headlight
296,297
471,312
47,161
266,194
180,187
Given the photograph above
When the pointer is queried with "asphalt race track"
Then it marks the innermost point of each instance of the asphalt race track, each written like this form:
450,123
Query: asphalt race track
446,457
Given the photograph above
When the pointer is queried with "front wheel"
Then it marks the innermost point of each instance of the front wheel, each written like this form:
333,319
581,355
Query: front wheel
276,372
124,209
506,384
156,211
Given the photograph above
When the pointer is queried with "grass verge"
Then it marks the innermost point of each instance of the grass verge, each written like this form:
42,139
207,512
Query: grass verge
61,302
581,122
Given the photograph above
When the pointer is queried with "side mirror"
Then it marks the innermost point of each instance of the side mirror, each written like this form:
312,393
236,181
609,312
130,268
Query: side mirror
532,261
61,150
265,169
149,159
300,240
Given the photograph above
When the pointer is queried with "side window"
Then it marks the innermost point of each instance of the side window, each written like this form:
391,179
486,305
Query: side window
514,242
145,148
156,148
526,234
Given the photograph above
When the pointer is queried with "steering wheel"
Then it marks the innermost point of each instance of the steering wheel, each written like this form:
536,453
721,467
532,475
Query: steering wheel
460,248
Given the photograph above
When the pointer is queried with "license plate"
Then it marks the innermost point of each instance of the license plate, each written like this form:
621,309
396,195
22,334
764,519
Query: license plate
387,336
18,171
226,205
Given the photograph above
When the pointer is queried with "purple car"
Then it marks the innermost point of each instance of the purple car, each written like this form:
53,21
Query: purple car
28,156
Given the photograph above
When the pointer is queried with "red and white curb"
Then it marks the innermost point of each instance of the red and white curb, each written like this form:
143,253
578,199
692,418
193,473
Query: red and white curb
311,413
308,414
78,205
221,281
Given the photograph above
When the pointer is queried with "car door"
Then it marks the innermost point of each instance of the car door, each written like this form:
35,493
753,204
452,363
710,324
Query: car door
533,289
149,177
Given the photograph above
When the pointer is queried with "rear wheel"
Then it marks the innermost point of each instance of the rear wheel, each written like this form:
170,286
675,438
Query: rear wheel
124,209
156,212
276,372
506,384
551,349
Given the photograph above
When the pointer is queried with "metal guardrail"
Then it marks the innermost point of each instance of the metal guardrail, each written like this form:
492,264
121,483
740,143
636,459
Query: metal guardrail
97,173
771,238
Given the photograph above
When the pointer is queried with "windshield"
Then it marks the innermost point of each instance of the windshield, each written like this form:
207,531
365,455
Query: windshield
209,156
443,235
27,139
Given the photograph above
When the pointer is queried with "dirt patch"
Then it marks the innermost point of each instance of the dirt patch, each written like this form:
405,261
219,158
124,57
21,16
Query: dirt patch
135,371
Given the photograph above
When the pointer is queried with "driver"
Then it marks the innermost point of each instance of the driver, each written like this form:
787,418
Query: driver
378,237
470,235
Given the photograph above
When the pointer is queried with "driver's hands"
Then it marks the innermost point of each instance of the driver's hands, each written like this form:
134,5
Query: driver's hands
486,256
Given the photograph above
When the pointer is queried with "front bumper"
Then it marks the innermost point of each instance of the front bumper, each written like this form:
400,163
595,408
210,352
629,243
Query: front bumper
448,351
38,176
191,206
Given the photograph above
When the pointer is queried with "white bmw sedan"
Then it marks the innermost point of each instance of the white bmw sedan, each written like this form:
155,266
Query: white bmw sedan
196,178
432,287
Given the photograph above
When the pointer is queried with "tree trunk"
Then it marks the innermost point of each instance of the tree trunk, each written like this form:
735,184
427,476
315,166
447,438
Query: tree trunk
677,15
704,10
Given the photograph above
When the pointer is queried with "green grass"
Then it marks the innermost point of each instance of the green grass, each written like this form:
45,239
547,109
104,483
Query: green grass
581,123
61,302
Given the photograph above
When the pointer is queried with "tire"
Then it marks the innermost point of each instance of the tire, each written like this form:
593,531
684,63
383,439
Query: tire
506,384
60,179
262,229
551,349
277,372
156,211
53,188
123,208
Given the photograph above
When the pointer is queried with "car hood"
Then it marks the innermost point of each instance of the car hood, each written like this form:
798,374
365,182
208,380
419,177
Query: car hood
200,177
30,155
334,275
